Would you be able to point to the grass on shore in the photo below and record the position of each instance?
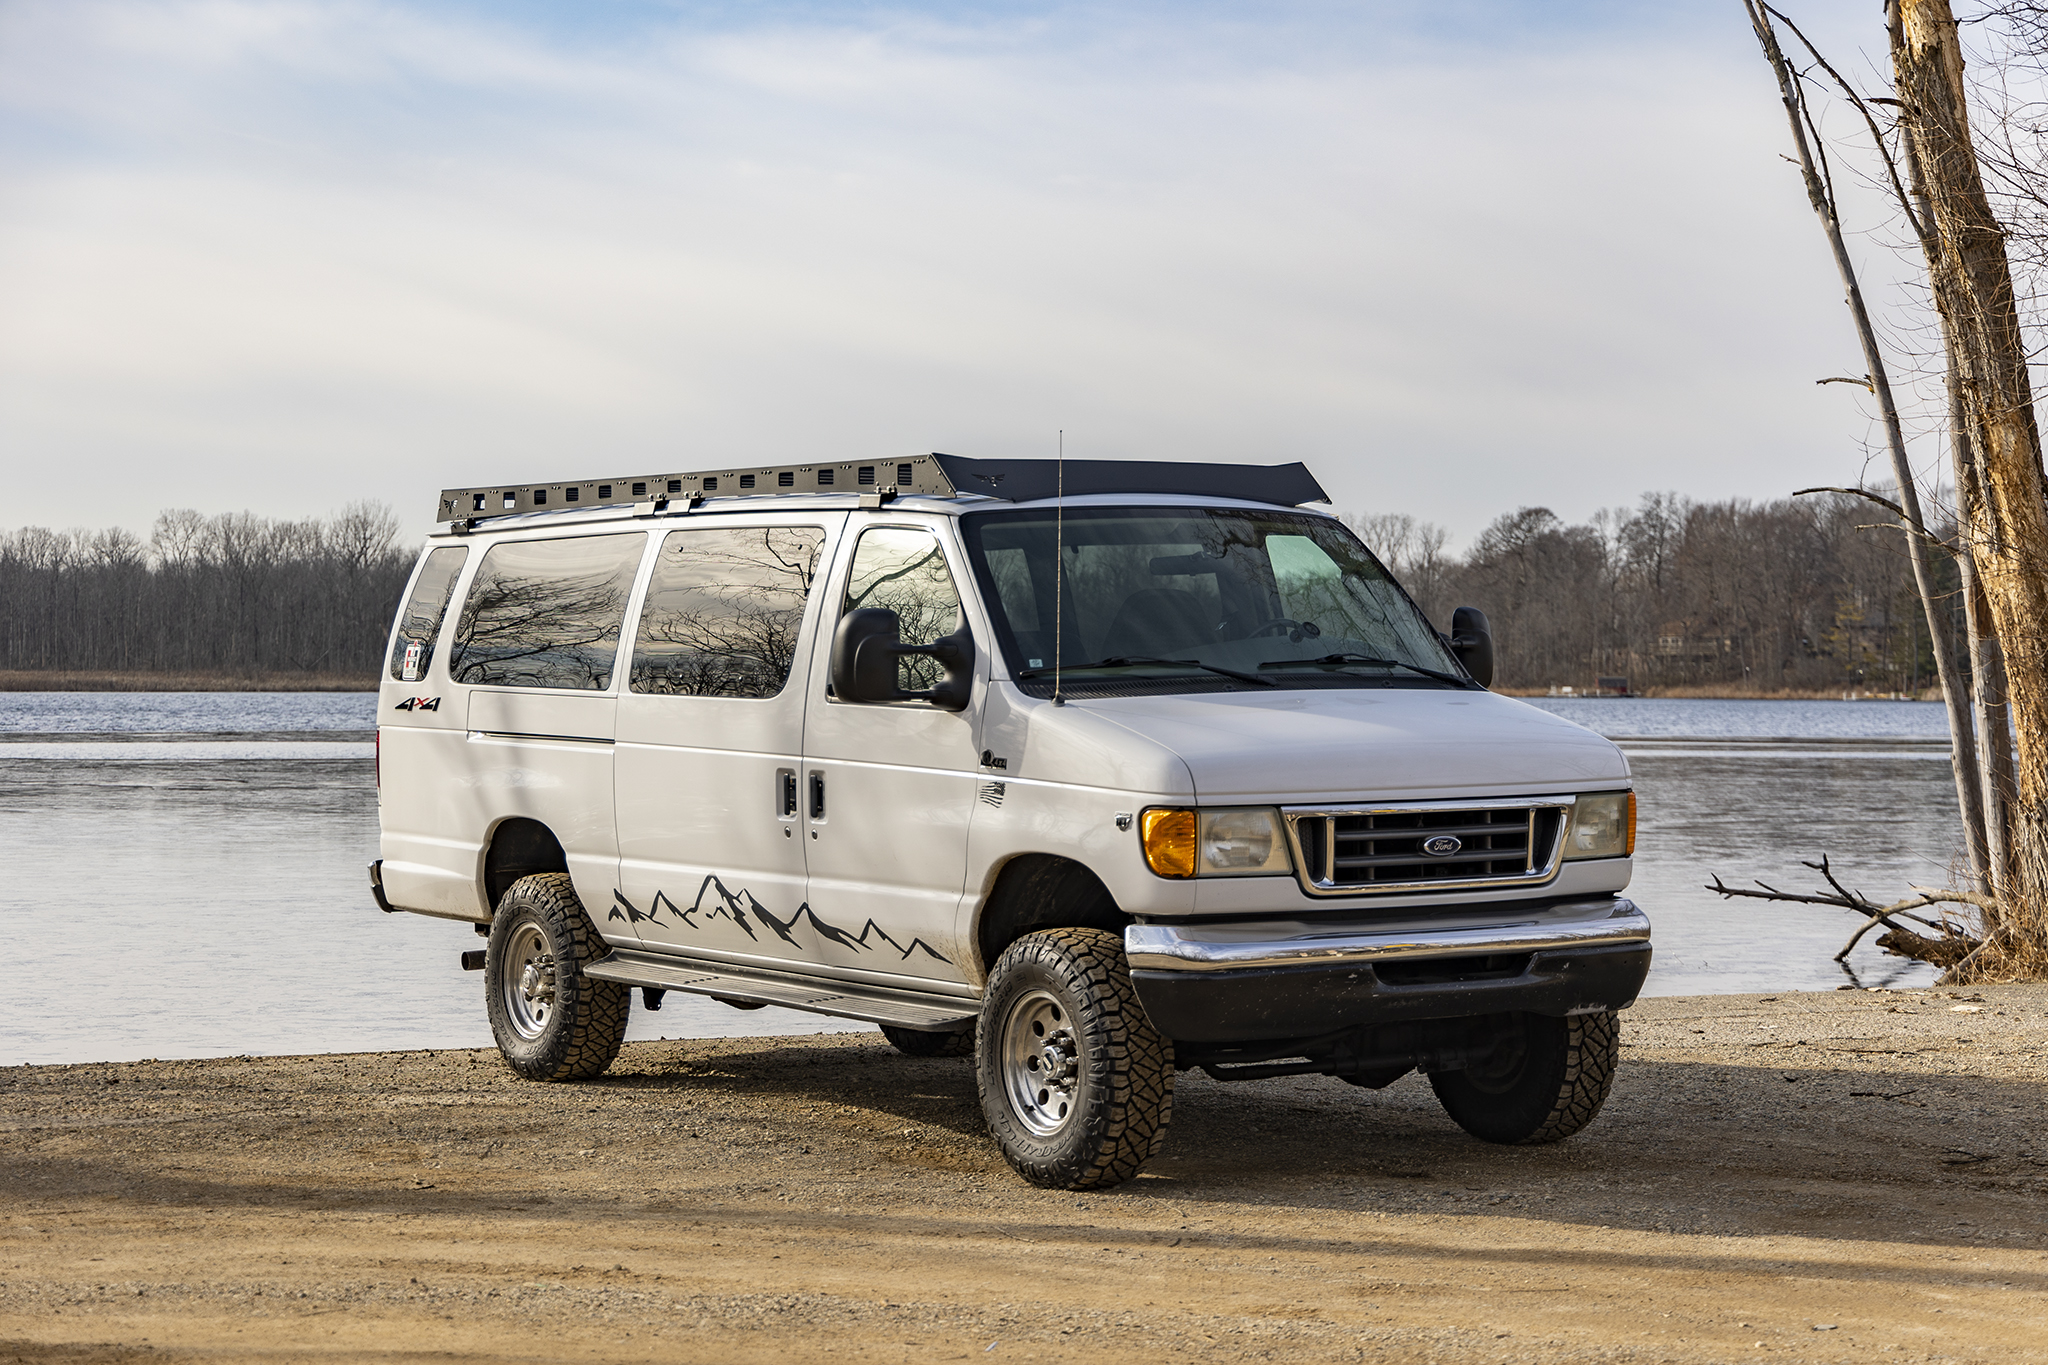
(109, 680)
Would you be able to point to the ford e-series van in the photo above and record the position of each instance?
(1093, 771)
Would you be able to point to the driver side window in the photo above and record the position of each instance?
(902, 569)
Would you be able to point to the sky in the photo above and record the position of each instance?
(1462, 257)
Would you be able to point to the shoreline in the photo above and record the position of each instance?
(55, 680)
(1808, 1176)
(1690, 693)
(107, 680)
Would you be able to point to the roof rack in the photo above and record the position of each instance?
(934, 475)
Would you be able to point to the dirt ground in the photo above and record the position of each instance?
(1828, 1177)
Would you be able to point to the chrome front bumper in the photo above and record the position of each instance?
(1470, 931)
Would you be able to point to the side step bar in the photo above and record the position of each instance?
(844, 999)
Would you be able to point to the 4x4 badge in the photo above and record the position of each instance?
(1443, 846)
(419, 704)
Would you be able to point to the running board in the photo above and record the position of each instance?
(844, 999)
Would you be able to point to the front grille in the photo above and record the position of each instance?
(1362, 851)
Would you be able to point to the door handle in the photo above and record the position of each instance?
(785, 793)
(817, 796)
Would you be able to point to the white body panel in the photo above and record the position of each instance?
(547, 756)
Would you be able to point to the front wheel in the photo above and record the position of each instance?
(552, 1022)
(1545, 1081)
(1075, 1082)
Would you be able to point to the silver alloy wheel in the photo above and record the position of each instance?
(1041, 1061)
(528, 981)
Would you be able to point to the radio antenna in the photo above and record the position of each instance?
(1059, 562)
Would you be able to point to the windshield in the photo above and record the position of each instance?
(1147, 593)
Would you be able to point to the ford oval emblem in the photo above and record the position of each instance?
(1443, 846)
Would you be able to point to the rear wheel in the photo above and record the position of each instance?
(1546, 1080)
(914, 1042)
(552, 1022)
(1075, 1082)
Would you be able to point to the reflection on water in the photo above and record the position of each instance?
(1883, 822)
(111, 713)
(207, 896)
(1751, 789)
(1659, 718)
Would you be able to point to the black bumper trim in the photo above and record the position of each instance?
(1307, 1002)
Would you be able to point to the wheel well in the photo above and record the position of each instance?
(1042, 891)
(519, 848)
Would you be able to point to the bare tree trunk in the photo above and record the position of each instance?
(1994, 744)
(1962, 749)
(1987, 664)
(2007, 534)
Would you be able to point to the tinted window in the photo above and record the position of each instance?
(723, 611)
(904, 571)
(1139, 594)
(419, 625)
(547, 613)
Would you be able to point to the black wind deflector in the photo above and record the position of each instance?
(1288, 485)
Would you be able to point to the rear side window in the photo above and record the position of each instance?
(723, 611)
(547, 613)
(419, 626)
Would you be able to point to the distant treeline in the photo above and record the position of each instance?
(1810, 593)
(1801, 593)
(235, 595)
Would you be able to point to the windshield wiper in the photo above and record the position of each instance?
(1139, 661)
(1334, 659)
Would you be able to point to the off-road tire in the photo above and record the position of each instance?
(1542, 1090)
(1121, 1096)
(915, 1042)
(585, 1023)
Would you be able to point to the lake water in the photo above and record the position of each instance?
(185, 871)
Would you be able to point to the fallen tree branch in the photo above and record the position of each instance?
(1948, 946)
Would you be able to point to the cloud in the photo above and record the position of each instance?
(285, 255)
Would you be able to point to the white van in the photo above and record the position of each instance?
(1094, 771)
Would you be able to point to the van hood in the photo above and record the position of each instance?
(1367, 744)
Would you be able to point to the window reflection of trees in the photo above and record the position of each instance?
(723, 612)
(904, 571)
(421, 623)
(1324, 580)
(546, 613)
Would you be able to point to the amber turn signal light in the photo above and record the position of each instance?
(1168, 838)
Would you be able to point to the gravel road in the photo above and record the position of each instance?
(1829, 1177)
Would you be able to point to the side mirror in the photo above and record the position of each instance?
(866, 646)
(1472, 642)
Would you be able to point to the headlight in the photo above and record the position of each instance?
(1603, 826)
(1215, 843)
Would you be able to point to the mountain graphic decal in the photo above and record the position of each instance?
(727, 906)
(716, 901)
(652, 914)
(859, 942)
(781, 926)
(634, 914)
